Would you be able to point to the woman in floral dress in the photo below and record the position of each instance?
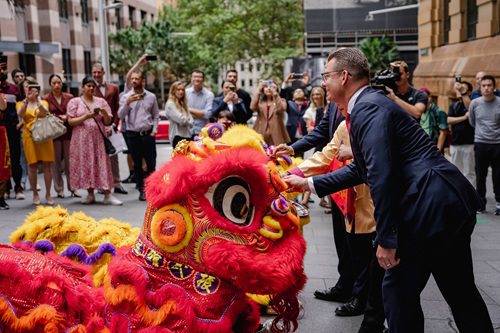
(90, 167)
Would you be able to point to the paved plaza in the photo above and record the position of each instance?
(320, 262)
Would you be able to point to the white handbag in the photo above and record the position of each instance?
(118, 142)
(47, 128)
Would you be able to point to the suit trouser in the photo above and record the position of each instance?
(361, 251)
(142, 147)
(487, 155)
(346, 280)
(374, 315)
(61, 151)
(448, 258)
(14, 137)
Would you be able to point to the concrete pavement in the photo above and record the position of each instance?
(320, 262)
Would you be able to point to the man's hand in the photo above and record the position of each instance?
(296, 183)
(134, 97)
(153, 134)
(344, 153)
(390, 93)
(387, 257)
(283, 149)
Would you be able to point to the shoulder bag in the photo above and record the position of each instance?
(47, 128)
(108, 146)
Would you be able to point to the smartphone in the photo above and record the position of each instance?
(233, 88)
(268, 82)
(97, 110)
(151, 57)
(297, 76)
(34, 86)
(458, 79)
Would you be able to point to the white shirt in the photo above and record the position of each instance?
(350, 106)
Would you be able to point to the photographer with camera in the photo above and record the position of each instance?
(230, 101)
(294, 81)
(399, 90)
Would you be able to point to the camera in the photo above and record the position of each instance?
(458, 79)
(386, 78)
(268, 82)
(232, 88)
(151, 57)
(297, 76)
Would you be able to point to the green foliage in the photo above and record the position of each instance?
(222, 33)
(379, 52)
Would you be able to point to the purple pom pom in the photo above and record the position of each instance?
(44, 246)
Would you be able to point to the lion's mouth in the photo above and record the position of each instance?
(271, 228)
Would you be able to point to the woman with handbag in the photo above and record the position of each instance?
(30, 109)
(58, 101)
(90, 167)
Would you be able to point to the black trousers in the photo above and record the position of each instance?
(448, 258)
(487, 155)
(142, 147)
(374, 315)
(361, 252)
(346, 279)
(14, 137)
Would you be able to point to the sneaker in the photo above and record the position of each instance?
(497, 208)
(111, 200)
(3, 204)
(88, 200)
(6, 195)
(20, 195)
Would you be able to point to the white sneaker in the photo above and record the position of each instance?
(111, 200)
(20, 195)
(88, 200)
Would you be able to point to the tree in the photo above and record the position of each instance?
(379, 52)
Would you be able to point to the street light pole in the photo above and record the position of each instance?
(103, 30)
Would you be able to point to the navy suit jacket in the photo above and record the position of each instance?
(322, 133)
(417, 193)
(240, 112)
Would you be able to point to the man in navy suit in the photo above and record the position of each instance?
(424, 207)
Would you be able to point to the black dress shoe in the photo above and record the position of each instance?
(129, 180)
(364, 329)
(119, 189)
(142, 196)
(352, 308)
(333, 294)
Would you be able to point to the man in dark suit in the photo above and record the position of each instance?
(321, 135)
(111, 94)
(424, 206)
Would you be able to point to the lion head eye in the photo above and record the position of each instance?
(231, 199)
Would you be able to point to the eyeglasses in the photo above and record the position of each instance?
(325, 75)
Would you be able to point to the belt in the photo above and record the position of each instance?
(141, 133)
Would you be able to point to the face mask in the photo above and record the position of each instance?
(3, 77)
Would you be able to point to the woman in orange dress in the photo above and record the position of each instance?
(29, 109)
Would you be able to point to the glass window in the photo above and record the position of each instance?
(63, 9)
(242, 83)
(250, 82)
(85, 11)
(471, 19)
(131, 14)
(242, 67)
(144, 18)
(66, 61)
(446, 21)
(88, 62)
(118, 14)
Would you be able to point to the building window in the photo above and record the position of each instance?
(118, 14)
(446, 21)
(66, 62)
(250, 83)
(88, 62)
(85, 11)
(471, 19)
(258, 66)
(131, 15)
(63, 9)
(242, 67)
(27, 63)
(144, 17)
(242, 83)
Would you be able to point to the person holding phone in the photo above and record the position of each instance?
(270, 110)
(230, 101)
(29, 109)
(90, 166)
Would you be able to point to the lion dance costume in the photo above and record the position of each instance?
(216, 228)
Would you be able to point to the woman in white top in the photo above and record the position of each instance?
(177, 112)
